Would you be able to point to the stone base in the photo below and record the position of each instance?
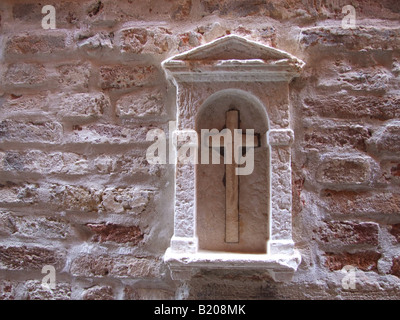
(183, 266)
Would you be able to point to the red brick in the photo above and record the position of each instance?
(115, 233)
(99, 293)
(357, 39)
(395, 270)
(395, 231)
(7, 290)
(119, 267)
(181, 9)
(344, 233)
(366, 260)
(353, 107)
(33, 290)
(125, 77)
(47, 43)
(25, 75)
(141, 40)
(74, 76)
(83, 105)
(361, 203)
(344, 171)
(386, 140)
(27, 132)
(340, 136)
(29, 258)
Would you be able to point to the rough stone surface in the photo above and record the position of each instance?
(25, 74)
(119, 267)
(145, 40)
(343, 171)
(33, 290)
(98, 293)
(346, 233)
(83, 105)
(77, 102)
(115, 233)
(141, 104)
(366, 261)
(28, 132)
(386, 140)
(33, 44)
(29, 258)
(34, 227)
(125, 77)
(361, 203)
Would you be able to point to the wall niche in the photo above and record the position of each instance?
(223, 219)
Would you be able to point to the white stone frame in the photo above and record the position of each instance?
(232, 62)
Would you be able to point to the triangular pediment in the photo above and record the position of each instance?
(233, 47)
(233, 58)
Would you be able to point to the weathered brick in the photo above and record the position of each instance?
(390, 172)
(34, 227)
(46, 43)
(395, 231)
(366, 260)
(345, 106)
(7, 290)
(345, 76)
(147, 40)
(22, 105)
(44, 163)
(241, 8)
(109, 232)
(181, 9)
(30, 258)
(33, 290)
(67, 13)
(344, 171)
(125, 77)
(361, 203)
(127, 163)
(341, 136)
(188, 40)
(15, 194)
(74, 76)
(344, 233)
(83, 105)
(126, 200)
(118, 267)
(386, 140)
(95, 44)
(99, 293)
(25, 10)
(141, 104)
(75, 198)
(395, 269)
(35, 131)
(373, 38)
(131, 293)
(25, 74)
(112, 134)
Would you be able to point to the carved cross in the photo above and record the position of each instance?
(231, 178)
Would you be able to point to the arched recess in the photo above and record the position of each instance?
(254, 188)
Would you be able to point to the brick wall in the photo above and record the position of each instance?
(77, 193)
